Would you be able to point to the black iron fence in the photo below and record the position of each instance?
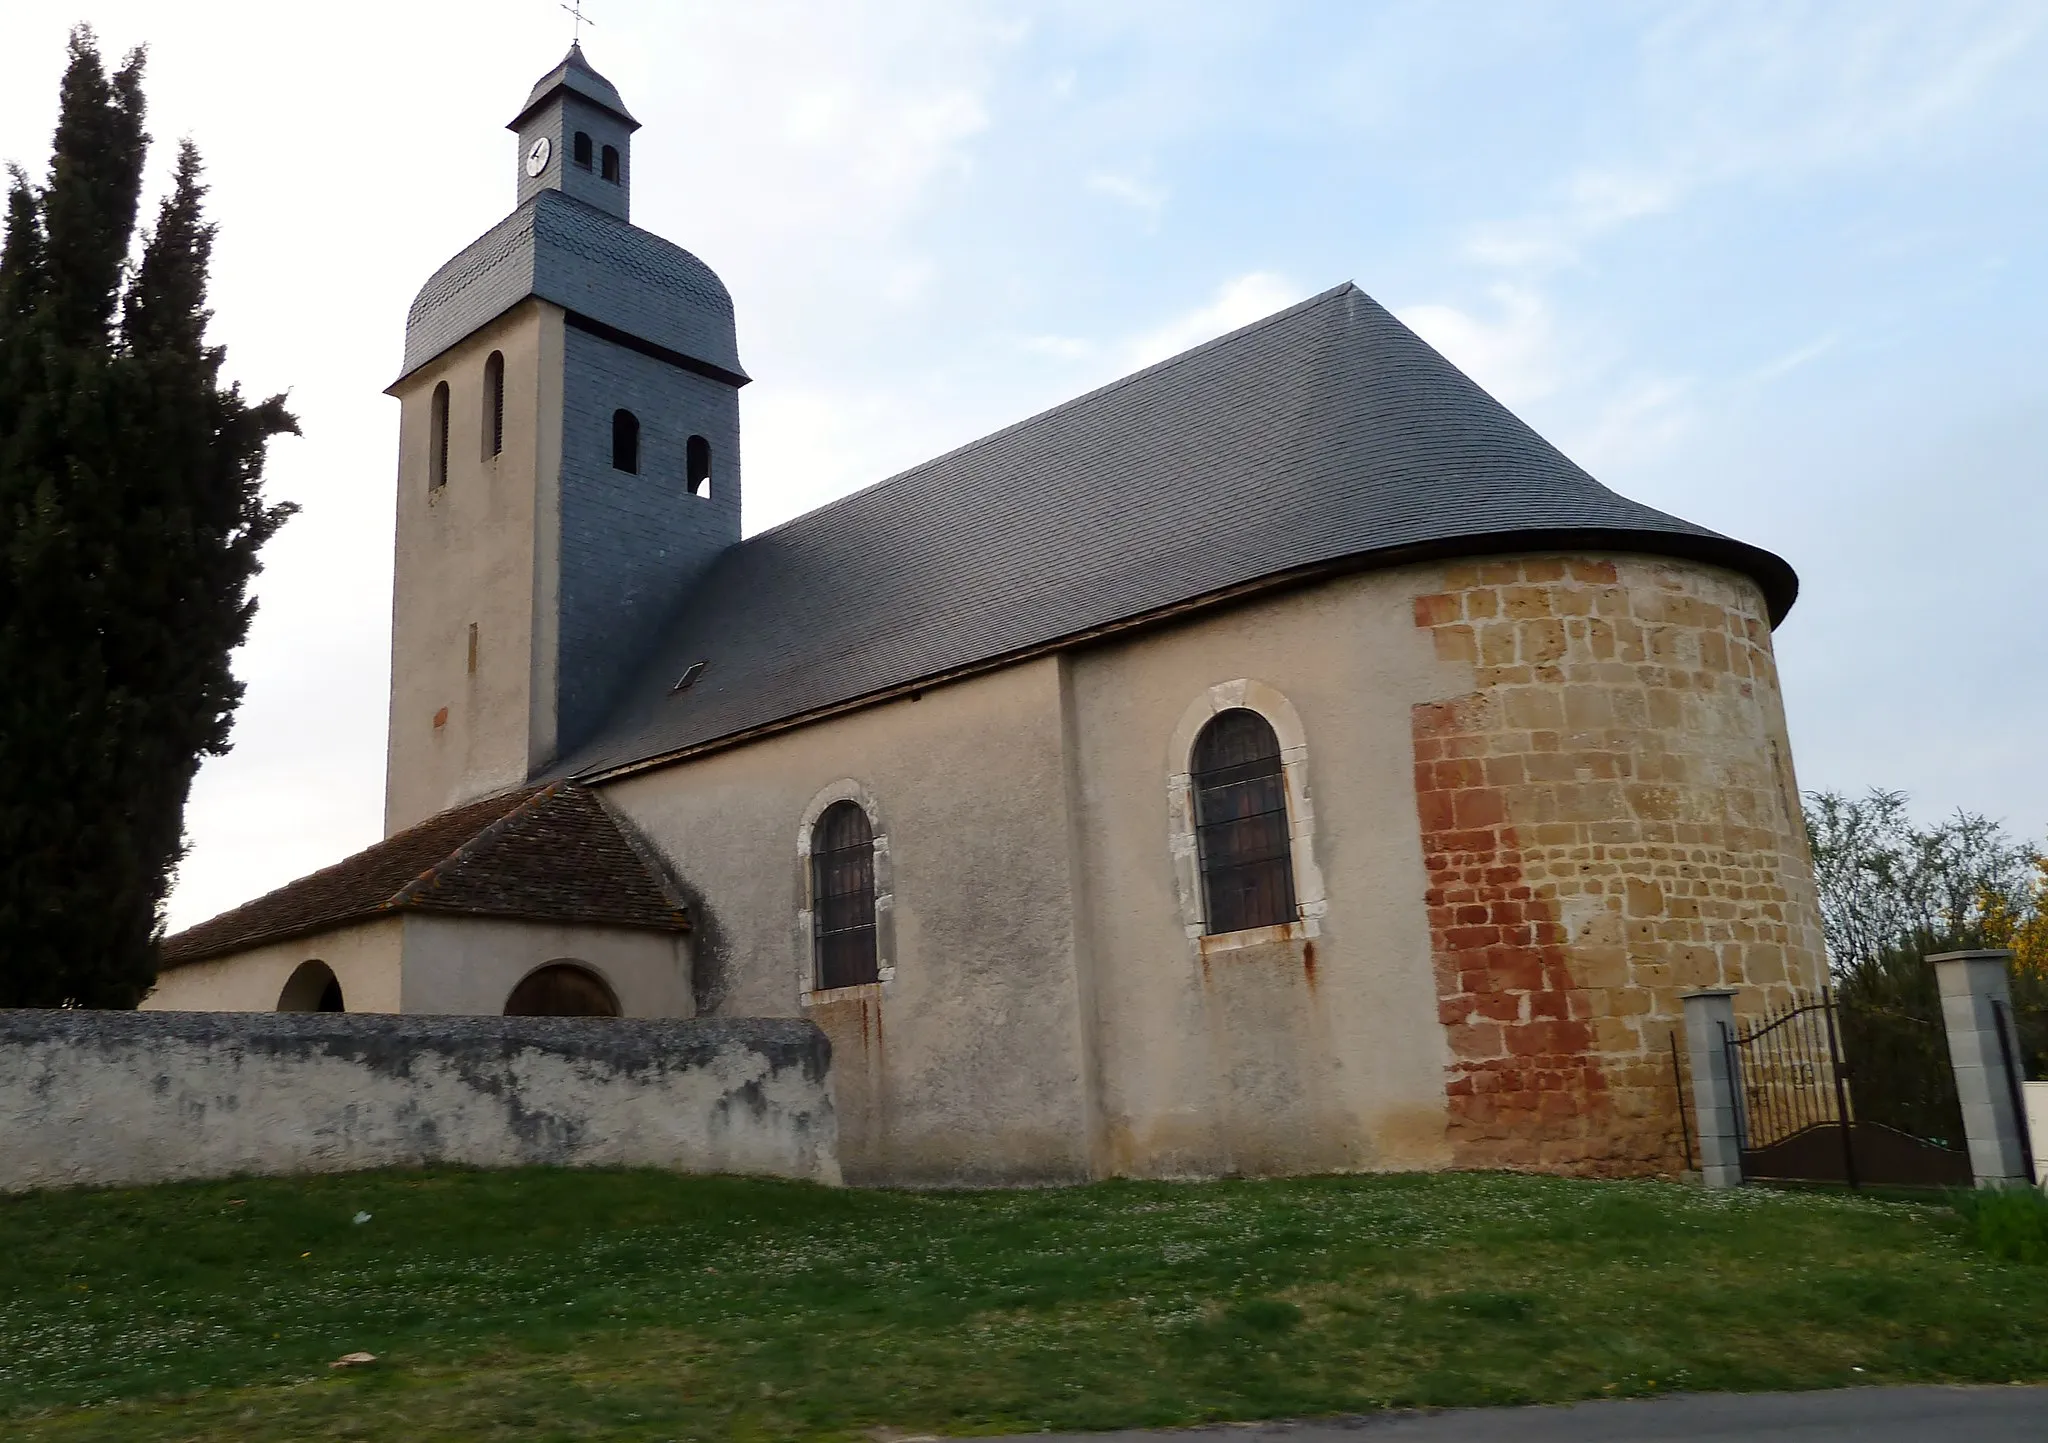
(1827, 1092)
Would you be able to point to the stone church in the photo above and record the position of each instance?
(1279, 760)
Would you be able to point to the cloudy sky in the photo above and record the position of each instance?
(1781, 268)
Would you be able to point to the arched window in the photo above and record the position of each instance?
(1241, 829)
(437, 440)
(312, 988)
(582, 150)
(843, 897)
(610, 169)
(494, 404)
(562, 989)
(625, 441)
(697, 465)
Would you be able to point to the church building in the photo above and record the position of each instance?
(1279, 760)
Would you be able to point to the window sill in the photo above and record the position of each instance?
(1220, 944)
(858, 992)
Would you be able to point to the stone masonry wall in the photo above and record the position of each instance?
(1609, 820)
(114, 1098)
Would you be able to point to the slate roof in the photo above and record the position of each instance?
(1327, 434)
(575, 75)
(545, 854)
(591, 264)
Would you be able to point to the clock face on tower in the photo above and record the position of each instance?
(537, 157)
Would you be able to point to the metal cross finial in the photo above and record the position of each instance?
(576, 9)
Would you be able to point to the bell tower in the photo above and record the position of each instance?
(569, 462)
(576, 137)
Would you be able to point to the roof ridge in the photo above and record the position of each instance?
(649, 856)
(334, 866)
(410, 892)
(1130, 378)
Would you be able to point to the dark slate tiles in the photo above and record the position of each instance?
(1328, 432)
(601, 267)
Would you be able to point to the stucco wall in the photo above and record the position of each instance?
(469, 965)
(424, 962)
(365, 959)
(1535, 799)
(966, 1065)
(480, 550)
(1544, 797)
(1307, 1050)
(124, 1098)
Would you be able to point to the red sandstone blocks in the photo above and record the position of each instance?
(1480, 807)
(1476, 1040)
(1538, 819)
(1437, 610)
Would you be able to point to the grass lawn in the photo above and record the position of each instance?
(559, 1305)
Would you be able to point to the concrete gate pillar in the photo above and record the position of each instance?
(1971, 983)
(1709, 1023)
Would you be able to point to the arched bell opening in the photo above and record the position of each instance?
(562, 989)
(313, 987)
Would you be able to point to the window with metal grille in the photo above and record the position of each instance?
(843, 897)
(1241, 824)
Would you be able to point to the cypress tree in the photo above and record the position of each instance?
(131, 518)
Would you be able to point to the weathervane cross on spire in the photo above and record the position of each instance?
(576, 9)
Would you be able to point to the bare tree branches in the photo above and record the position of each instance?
(1883, 879)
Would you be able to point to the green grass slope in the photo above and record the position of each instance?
(560, 1305)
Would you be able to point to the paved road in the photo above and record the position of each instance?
(1847, 1415)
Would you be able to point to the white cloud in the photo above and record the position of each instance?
(828, 160)
(1058, 348)
(1591, 205)
(1150, 199)
(1640, 422)
(1238, 302)
(1736, 94)
(1793, 359)
(796, 147)
(1604, 418)
(1781, 90)
(1514, 353)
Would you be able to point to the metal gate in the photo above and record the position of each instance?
(1850, 1094)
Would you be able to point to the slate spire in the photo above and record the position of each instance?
(575, 136)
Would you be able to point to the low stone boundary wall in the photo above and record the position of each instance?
(140, 1097)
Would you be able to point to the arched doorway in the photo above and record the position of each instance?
(313, 988)
(562, 989)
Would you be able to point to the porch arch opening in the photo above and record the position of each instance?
(312, 987)
(562, 989)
